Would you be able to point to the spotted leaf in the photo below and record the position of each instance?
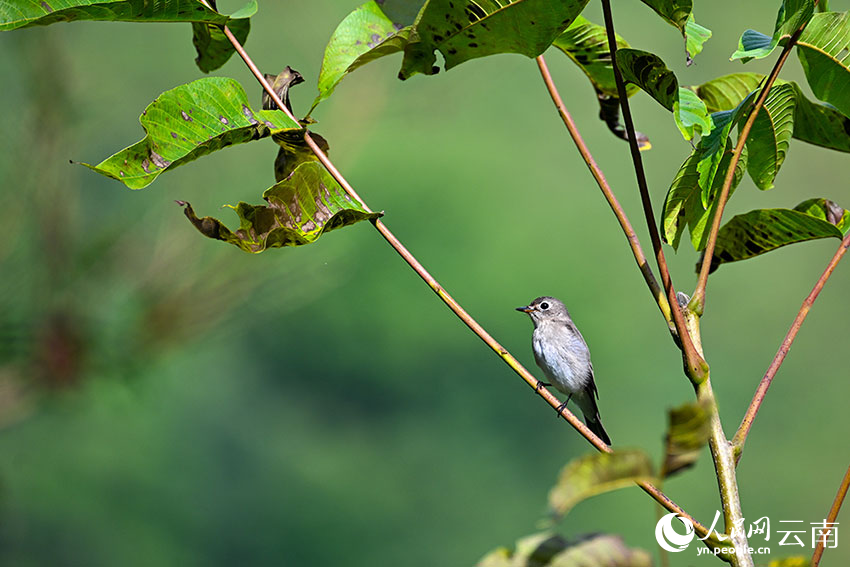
(466, 29)
(186, 123)
(213, 48)
(300, 209)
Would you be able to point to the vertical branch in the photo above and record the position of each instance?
(753, 409)
(695, 365)
(831, 517)
(631, 236)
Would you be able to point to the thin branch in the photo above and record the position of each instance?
(744, 429)
(634, 243)
(698, 299)
(476, 328)
(697, 369)
(831, 517)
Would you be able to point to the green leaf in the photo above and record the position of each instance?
(770, 135)
(300, 209)
(678, 13)
(797, 560)
(586, 44)
(552, 550)
(186, 123)
(792, 15)
(594, 474)
(213, 48)
(648, 71)
(365, 35)
(687, 433)
(823, 50)
(813, 123)
(684, 206)
(757, 232)
(462, 30)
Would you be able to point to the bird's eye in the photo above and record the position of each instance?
(544, 306)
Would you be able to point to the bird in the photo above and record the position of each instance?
(562, 354)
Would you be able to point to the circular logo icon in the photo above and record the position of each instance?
(670, 539)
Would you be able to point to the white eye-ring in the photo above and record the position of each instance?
(544, 306)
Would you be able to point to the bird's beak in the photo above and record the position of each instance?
(526, 309)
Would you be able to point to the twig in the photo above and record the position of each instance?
(753, 409)
(698, 299)
(476, 328)
(831, 517)
(634, 243)
(697, 369)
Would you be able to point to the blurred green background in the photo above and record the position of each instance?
(166, 399)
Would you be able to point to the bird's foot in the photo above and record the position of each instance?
(541, 385)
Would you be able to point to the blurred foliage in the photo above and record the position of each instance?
(166, 400)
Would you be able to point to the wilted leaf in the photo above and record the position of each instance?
(792, 15)
(462, 30)
(648, 71)
(552, 550)
(212, 46)
(365, 35)
(280, 84)
(823, 49)
(300, 209)
(186, 123)
(687, 433)
(294, 151)
(678, 13)
(757, 232)
(594, 474)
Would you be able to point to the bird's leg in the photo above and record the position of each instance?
(560, 409)
(541, 384)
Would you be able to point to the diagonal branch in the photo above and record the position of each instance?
(744, 429)
(698, 300)
(830, 518)
(634, 243)
(476, 328)
(696, 367)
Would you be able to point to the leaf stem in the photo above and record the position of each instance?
(753, 409)
(476, 328)
(695, 366)
(698, 299)
(831, 517)
(622, 218)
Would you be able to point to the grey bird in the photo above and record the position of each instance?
(563, 356)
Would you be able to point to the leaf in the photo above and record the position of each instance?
(813, 123)
(280, 84)
(594, 474)
(757, 232)
(678, 13)
(212, 46)
(684, 205)
(793, 14)
(770, 135)
(186, 123)
(687, 433)
(552, 550)
(462, 30)
(648, 71)
(365, 35)
(794, 561)
(823, 49)
(586, 44)
(300, 209)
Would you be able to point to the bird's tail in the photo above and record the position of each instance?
(595, 425)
